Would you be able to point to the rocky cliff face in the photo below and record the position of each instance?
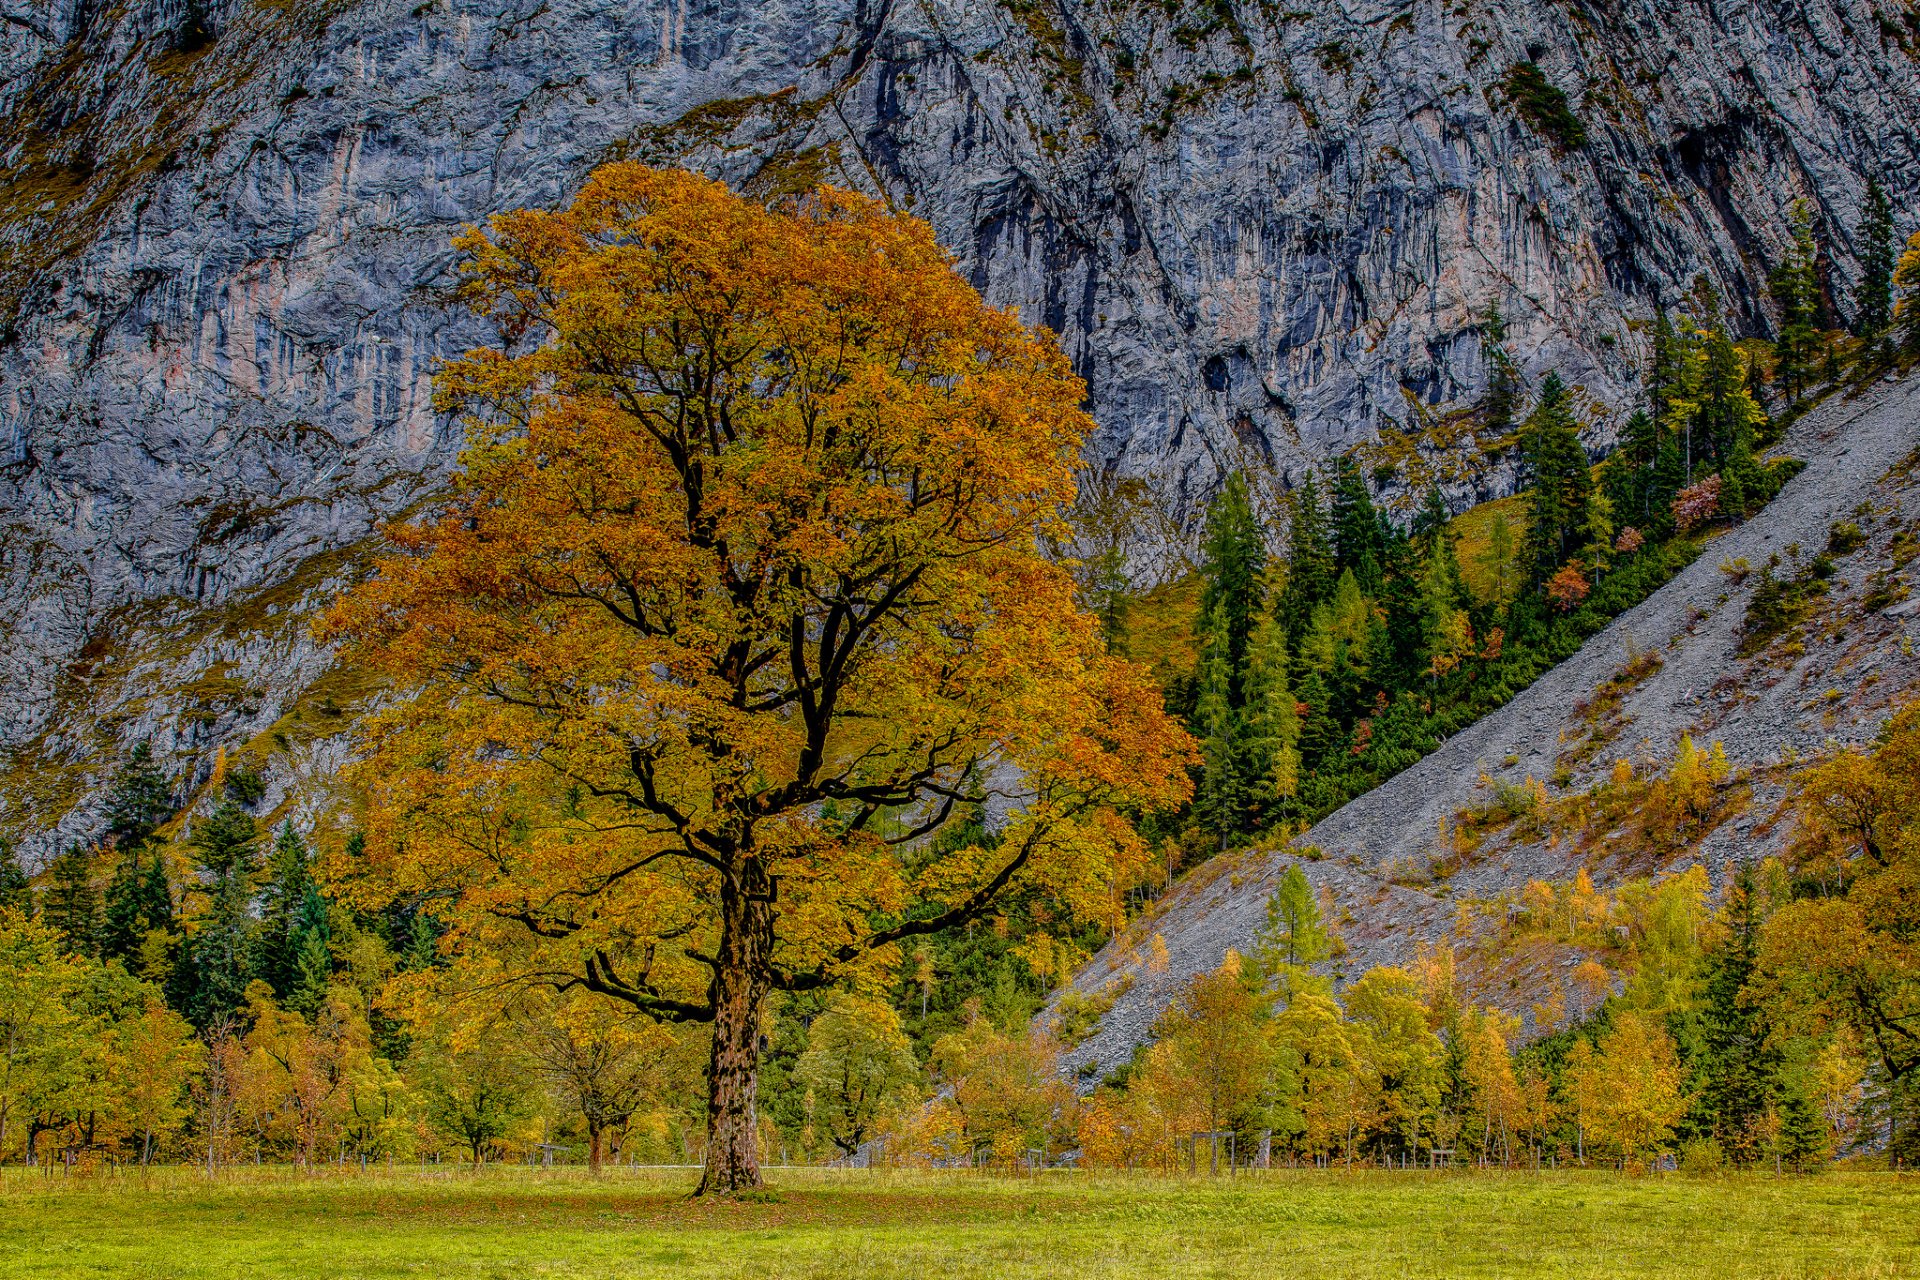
(1264, 234)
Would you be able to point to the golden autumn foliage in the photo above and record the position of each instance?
(1846, 952)
(1627, 1097)
(737, 595)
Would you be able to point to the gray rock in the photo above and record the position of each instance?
(1262, 236)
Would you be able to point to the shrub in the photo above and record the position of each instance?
(1543, 106)
(1701, 1156)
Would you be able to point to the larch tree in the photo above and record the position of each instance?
(736, 599)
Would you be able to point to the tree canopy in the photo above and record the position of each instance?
(736, 597)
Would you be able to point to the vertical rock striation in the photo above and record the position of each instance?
(1263, 233)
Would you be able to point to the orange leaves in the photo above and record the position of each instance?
(740, 575)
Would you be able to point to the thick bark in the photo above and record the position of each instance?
(741, 981)
(594, 1133)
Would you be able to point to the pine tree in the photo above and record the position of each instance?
(1666, 373)
(1233, 567)
(288, 880)
(139, 800)
(1503, 380)
(1310, 567)
(1558, 481)
(122, 932)
(1358, 545)
(156, 896)
(1802, 1136)
(1498, 559)
(1740, 1069)
(16, 894)
(312, 960)
(1873, 306)
(217, 971)
(1431, 520)
(1728, 413)
(1796, 292)
(72, 904)
(1320, 733)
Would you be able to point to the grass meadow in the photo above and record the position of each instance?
(821, 1223)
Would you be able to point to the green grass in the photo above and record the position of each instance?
(855, 1224)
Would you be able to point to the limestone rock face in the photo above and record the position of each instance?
(1265, 235)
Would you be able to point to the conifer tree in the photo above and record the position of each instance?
(72, 904)
(1796, 292)
(1221, 800)
(312, 955)
(1503, 380)
(1728, 413)
(281, 902)
(156, 896)
(1233, 564)
(1666, 372)
(1358, 545)
(1293, 936)
(1272, 724)
(140, 799)
(1310, 566)
(217, 969)
(121, 933)
(1873, 306)
(16, 893)
(1498, 558)
(1558, 481)
(1739, 1068)
(1431, 520)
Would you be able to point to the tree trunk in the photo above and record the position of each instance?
(740, 986)
(593, 1150)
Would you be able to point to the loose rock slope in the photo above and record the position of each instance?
(1376, 857)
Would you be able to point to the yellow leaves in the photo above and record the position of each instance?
(740, 572)
(1627, 1097)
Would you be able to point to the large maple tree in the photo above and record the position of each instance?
(736, 602)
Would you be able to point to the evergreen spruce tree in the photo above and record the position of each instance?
(1358, 544)
(1728, 414)
(1740, 1069)
(1320, 733)
(289, 877)
(1233, 567)
(312, 961)
(156, 896)
(1802, 1136)
(1630, 471)
(1431, 520)
(1310, 565)
(139, 800)
(1873, 305)
(72, 903)
(217, 969)
(1666, 372)
(16, 893)
(1503, 380)
(122, 931)
(1554, 466)
(1796, 292)
(1497, 561)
